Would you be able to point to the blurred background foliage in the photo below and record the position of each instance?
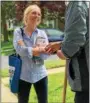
(12, 14)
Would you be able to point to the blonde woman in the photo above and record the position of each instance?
(30, 47)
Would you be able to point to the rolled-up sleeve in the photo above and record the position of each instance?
(75, 30)
(21, 50)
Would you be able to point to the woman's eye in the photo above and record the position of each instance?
(39, 14)
(35, 13)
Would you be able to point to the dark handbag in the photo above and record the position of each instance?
(15, 64)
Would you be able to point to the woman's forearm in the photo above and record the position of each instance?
(35, 50)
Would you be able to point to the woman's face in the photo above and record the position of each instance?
(34, 16)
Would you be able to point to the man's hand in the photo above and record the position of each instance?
(61, 55)
(53, 47)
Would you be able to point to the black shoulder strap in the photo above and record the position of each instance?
(22, 31)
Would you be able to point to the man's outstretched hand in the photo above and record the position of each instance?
(53, 47)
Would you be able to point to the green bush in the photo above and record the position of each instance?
(43, 26)
(10, 31)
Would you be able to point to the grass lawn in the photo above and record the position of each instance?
(54, 63)
(55, 90)
(6, 48)
(4, 73)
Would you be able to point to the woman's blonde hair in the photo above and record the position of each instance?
(27, 11)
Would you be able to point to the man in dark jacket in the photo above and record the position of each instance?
(75, 49)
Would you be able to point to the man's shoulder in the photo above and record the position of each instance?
(80, 4)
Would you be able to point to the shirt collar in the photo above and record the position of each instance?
(34, 32)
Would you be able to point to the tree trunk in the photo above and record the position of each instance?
(4, 27)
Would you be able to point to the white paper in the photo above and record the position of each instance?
(40, 41)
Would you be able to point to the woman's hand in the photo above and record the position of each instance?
(36, 51)
(21, 43)
(42, 50)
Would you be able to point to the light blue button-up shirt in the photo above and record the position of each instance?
(31, 71)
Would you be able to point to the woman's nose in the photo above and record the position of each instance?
(38, 15)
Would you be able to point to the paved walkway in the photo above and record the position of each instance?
(56, 70)
(8, 97)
